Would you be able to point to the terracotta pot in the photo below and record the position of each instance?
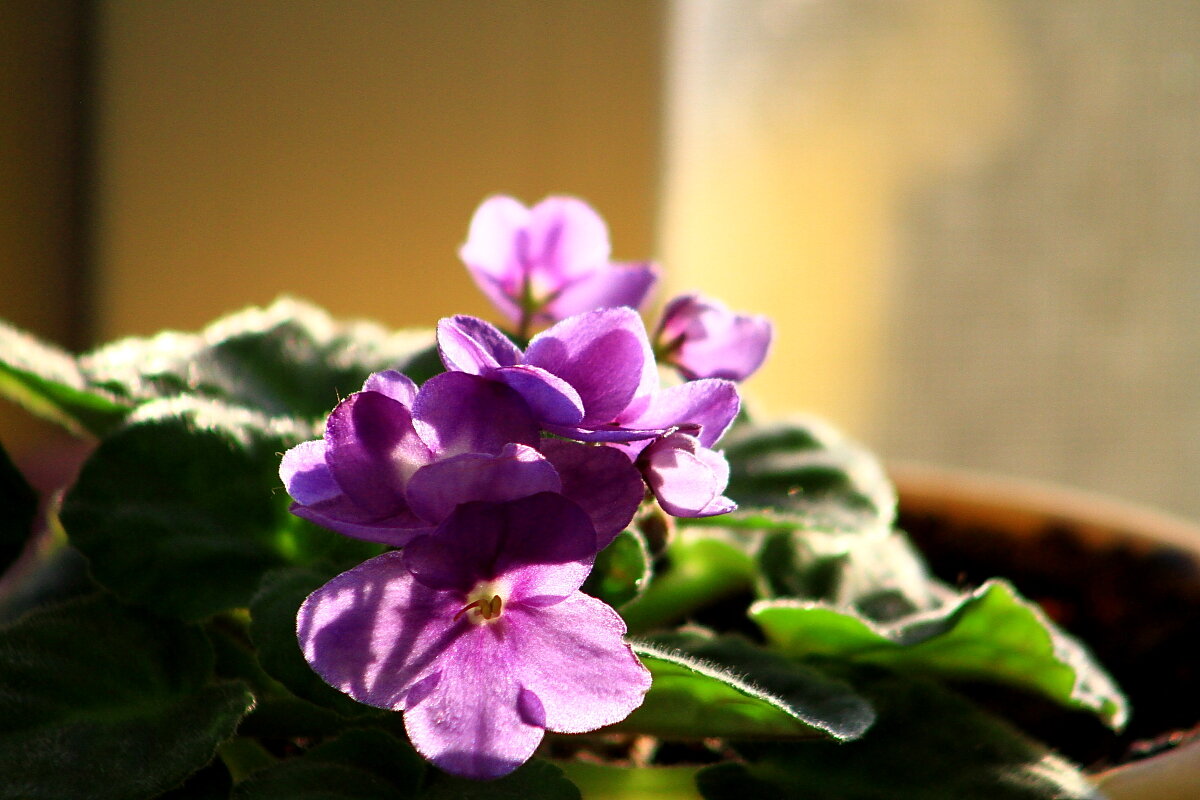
(1124, 579)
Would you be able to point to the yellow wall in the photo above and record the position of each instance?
(335, 151)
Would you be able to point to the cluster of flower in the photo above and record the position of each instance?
(501, 479)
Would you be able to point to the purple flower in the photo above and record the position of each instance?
(704, 339)
(548, 262)
(480, 635)
(396, 461)
(687, 479)
(591, 377)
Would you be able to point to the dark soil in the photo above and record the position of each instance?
(1137, 609)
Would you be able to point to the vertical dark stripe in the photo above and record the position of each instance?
(80, 294)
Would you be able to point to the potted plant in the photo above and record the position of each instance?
(316, 558)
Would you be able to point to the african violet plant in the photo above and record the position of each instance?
(498, 566)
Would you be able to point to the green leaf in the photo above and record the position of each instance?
(289, 359)
(182, 509)
(534, 780)
(358, 764)
(102, 701)
(928, 744)
(991, 634)
(46, 381)
(609, 781)
(19, 501)
(622, 570)
(702, 566)
(273, 630)
(881, 576)
(699, 691)
(804, 475)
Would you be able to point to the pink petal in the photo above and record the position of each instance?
(567, 238)
(613, 285)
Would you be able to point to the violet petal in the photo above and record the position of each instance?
(460, 413)
(543, 545)
(372, 449)
(572, 656)
(471, 345)
(305, 474)
(552, 400)
(470, 721)
(518, 471)
(395, 385)
(601, 480)
(711, 404)
(373, 631)
(603, 354)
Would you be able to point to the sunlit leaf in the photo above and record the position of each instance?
(726, 687)
(990, 634)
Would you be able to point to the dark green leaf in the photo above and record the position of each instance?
(804, 475)
(182, 509)
(621, 571)
(991, 634)
(101, 701)
(928, 744)
(19, 501)
(358, 764)
(727, 687)
(211, 783)
(46, 380)
(288, 359)
(534, 780)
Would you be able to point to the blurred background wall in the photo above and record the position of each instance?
(974, 221)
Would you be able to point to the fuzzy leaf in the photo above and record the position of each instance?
(881, 576)
(991, 634)
(105, 702)
(46, 381)
(928, 744)
(182, 508)
(804, 475)
(290, 358)
(698, 692)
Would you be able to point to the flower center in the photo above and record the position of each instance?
(484, 606)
